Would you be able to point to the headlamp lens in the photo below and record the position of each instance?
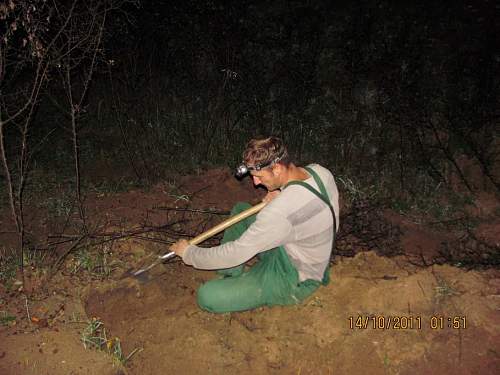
(241, 170)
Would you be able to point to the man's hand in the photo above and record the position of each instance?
(179, 247)
(271, 195)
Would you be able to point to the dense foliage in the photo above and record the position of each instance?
(373, 89)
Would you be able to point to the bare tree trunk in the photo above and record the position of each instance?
(12, 198)
(76, 107)
(76, 154)
(128, 150)
(401, 157)
(16, 198)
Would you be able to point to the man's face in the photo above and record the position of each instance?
(266, 177)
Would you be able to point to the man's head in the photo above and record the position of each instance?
(267, 159)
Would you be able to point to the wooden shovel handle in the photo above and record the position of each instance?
(227, 223)
(205, 235)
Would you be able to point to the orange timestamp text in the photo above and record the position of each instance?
(396, 322)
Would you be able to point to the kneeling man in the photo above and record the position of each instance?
(292, 236)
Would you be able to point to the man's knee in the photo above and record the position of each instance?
(225, 295)
(206, 297)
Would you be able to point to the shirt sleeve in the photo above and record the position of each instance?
(270, 229)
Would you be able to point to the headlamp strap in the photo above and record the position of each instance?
(258, 167)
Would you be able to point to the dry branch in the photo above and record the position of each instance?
(194, 210)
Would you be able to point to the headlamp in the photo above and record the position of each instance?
(243, 169)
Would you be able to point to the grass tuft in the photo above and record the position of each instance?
(6, 319)
(9, 264)
(97, 263)
(94, 336)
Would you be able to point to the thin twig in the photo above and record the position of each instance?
(58, 262)
(27, 308)
(152, 239)
(195, 210)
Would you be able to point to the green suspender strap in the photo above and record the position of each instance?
(324, 197)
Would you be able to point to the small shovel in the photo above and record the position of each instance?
(205, 235)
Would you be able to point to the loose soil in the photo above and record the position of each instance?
(379, 315)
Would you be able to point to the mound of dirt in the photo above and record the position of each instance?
(52, 352)
(378, 316)
(219, 188)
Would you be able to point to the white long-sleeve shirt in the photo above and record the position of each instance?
(296, 219)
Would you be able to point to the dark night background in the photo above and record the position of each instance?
(399, 99)
(121, 123)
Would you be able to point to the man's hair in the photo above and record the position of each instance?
(265, 151)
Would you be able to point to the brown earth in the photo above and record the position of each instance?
(378, 315)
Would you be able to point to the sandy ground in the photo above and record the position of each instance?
(378, 315)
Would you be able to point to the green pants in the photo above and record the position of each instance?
(273, 280)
